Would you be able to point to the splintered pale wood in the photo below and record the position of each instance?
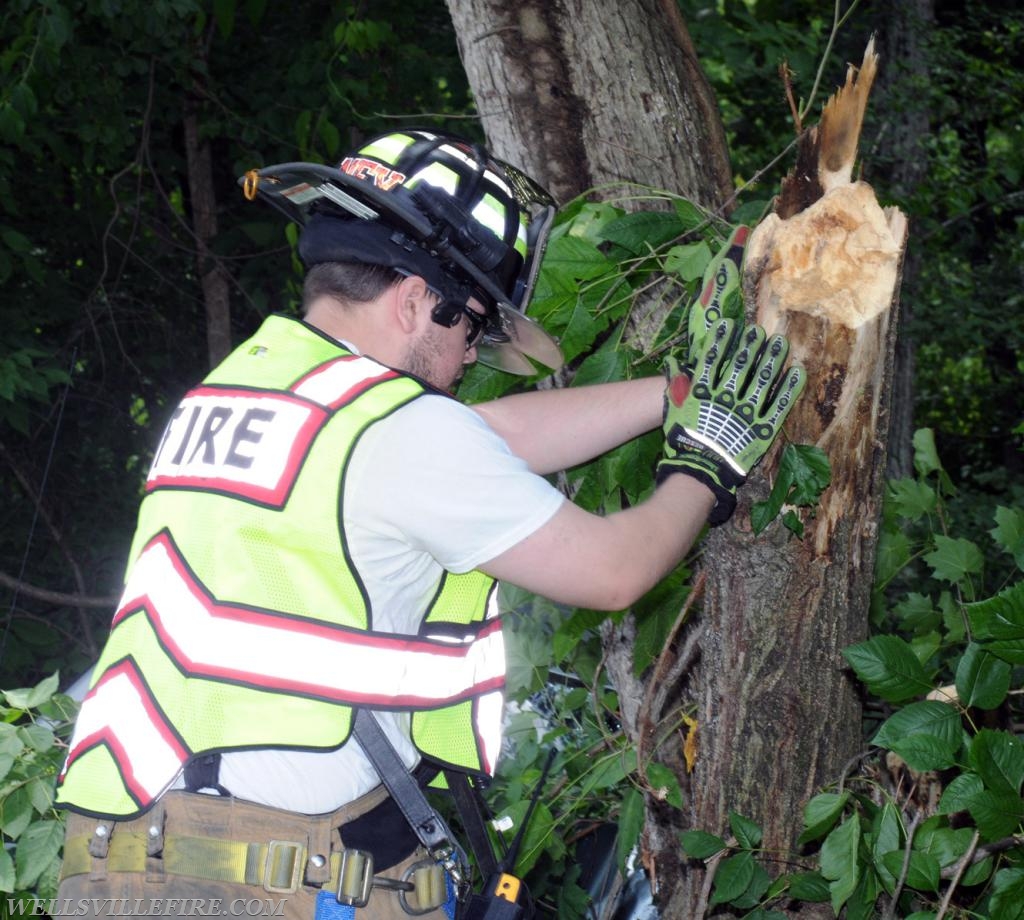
(827, 278)
(778, 712)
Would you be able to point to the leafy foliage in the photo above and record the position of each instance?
(104, 315)
(34, 725)
(936, 815)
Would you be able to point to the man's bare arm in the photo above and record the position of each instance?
(553, 430)
(607, 563)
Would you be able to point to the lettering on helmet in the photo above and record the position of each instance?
(384, 177)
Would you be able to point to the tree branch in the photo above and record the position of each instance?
(58, 538)
(57, 597)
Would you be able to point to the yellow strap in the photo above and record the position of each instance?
(200, 857)
(278, 866)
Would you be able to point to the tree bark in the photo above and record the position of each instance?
(903, 34)
(581, 93)
(213, 279)
(579, 96)
(778, 713)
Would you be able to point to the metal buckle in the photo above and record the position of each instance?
(355, 878)
(429, 884)
(277, 852)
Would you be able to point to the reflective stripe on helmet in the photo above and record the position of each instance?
(436, 174)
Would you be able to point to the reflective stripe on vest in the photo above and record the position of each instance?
(193, 667)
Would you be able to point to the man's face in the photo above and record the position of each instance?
(440, 354)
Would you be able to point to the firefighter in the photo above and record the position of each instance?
(321, 531)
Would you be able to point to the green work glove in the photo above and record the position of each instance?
(737, 403)
(720, 294)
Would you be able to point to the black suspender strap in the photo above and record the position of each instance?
(426, 823)
(471, 814)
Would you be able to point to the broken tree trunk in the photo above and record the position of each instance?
(778, 713)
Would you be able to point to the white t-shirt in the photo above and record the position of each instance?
(429, 488)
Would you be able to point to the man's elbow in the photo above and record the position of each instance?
(618, 592)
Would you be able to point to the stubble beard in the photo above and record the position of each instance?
(421, 360)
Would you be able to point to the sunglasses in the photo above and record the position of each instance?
(477, 324)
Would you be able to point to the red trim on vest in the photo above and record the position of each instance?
(338, 641)
(108, 736)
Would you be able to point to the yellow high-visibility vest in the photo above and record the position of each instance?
(243, 622)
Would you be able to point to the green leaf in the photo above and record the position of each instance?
(688, 261)
(821, 813)
(926, 455)
(839, 862)
(15, 812)
(38, 737)
(581, 330)
(922, 869)
(224, 12)
(892, 554)
(746, 832)
(37, 848)
(608, 771)
(982, 679)
(589, 221)
(997, 814)
(330, 135)
(911, 498)
(528, 654)
(700, 844)
(946, 844)
(607, 364)
(889, 668)
(539, 836)
(655, 613)
(887, 834)
(808, 886)
(570, 259)
(1001, 619)
(40, 794)
(979, 872)
(998, 758)
(924, 752)
(1007, 901)
(6, 871)
(917, 614)
(642, 231)
(759, 883)
(665, 784)
(960, 793)
(1009, 532)
(734, 874)
(631, 822)
(954, 558)
(804, 473)
(32, 697)
(930, 717)
(808, 469)
(690, 215)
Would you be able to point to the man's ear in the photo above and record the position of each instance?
(413, 303)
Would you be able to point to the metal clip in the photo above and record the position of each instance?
(430, 887)
(284, 862)
(355, 878)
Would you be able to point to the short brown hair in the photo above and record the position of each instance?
(347, 282)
